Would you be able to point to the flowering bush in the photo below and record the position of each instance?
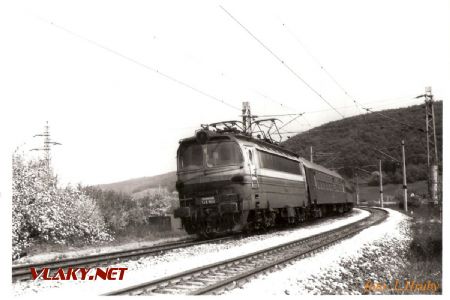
(42, 212)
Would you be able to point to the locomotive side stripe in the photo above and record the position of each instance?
(210, 173)
(200, 175)
(280, 175)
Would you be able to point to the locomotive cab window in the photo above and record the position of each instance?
(223, 153)
(191, 157)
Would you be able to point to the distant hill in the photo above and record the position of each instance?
(344, 144)
(351, 141)
(136, 185)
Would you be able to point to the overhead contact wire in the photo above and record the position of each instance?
(340, 86)
(281, 61)
(171, 78)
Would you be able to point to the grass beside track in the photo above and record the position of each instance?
(424, 260)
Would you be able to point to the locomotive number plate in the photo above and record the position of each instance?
(208, 200)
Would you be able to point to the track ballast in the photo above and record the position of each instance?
(217, 277)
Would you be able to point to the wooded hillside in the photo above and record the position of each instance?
(351, 142)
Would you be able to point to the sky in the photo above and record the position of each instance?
(121, 82)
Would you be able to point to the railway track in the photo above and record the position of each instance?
(225, 275)
(22, 272)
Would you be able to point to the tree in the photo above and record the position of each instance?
(416, 172)
(42, 212)
(375, 179)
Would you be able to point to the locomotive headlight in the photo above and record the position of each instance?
(202, 137)
(237, 178)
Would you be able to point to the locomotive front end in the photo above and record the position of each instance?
(210, 183)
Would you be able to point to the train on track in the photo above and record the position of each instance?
(230, 181)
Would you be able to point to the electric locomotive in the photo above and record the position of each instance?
(229, 181)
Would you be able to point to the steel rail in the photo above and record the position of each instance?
(22, 272)
(227, 274)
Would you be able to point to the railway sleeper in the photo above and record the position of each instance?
(316, 244)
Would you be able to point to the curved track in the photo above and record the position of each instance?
(225, 275)
(22, 272)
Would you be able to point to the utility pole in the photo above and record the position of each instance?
(357, 190)
(311, 153)
(47, 144)
(431, 141)
(432, 151)
(381, 185)
(405, 190)
(246, 117)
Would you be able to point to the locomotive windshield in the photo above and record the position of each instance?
(218, 153)
(191, 157)
(223, 154)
